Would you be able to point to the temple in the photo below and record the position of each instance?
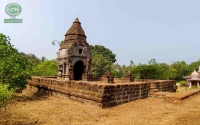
(74, 81)
(193, 79)
(74, 56)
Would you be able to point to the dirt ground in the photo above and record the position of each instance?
(55, 111)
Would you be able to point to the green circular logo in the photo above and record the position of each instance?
(13, 9)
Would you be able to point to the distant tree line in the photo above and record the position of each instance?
(153, 70)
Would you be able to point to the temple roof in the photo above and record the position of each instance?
(75, 29)
(194, 76)
(194, 73)
(74, 35)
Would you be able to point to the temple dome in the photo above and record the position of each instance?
(194, 75)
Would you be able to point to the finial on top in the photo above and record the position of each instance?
(77, 20)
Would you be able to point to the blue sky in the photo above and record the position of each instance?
(138, 30)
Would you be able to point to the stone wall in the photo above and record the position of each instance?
(163, 85)
(123, 80)
(145, 80)
(100, 94)
(103, 95)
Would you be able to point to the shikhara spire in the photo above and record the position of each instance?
(76, 29)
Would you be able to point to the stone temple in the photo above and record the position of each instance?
(76, 83)
(74, 56)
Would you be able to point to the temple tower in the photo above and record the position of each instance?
(74, 56)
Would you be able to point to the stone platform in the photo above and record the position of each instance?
(102, 95)
(174, 97)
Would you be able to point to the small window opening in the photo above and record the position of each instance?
(80, 51)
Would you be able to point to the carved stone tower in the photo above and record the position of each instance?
(74, 56)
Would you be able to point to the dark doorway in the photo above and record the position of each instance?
(78, 70)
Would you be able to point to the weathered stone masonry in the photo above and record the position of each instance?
(74, 59)
(103, 95)
(74, 56)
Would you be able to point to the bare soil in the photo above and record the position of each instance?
(55, 111)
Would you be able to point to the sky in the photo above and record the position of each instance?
(137, 30)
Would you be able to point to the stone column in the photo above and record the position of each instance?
(190, 84)
(66, 72)
(58, 74)
(64, 69)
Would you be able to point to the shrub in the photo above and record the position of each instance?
(5, 95)
(15, 68)
(182, 83)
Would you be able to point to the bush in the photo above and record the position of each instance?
(46, 68)
(5, 95)
(182, 83)
(15, 68)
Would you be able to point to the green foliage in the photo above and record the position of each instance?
(43, 58)
(193, 65)
(182, 82)
(105, 52)
(116, 70)
(121, 71)
(100, 65)
(172, 73)
(32, 58)
(154, 70)
(147, 71)
(116, 74)
(46, 68)
(5, 95)
(152, 62)
(102, 59)
(151, 71)
(15, 69)
(181, 69)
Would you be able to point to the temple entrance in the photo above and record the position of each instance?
(78, 70)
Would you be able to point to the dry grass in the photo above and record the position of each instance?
(55, 111)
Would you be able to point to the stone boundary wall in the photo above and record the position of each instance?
(163, 85)
(103, 95)
(146, 80)
(123, 80)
